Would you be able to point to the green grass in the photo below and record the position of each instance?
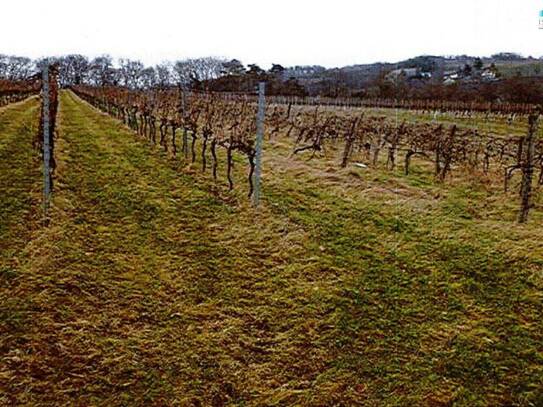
(155, 286)
(497, 125)
(19, 181)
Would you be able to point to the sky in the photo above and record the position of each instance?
(290, 32)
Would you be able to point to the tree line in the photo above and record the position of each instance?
(223, 75)
(207, 73)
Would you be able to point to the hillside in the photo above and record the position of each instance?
(360, 76)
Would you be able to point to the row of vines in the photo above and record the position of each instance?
(15, 91)
(446, 147)
(228, 122)
(163, 116)
(425, 105)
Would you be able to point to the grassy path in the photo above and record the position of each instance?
(20, 180)
(150, 288)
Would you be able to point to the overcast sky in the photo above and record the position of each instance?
(290, 32)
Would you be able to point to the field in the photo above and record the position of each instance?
(154, 285)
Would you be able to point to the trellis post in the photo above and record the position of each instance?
(259, 141)
(185, 115)
(46, 140)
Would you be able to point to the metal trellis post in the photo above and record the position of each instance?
(259, 140)
(46, 141)
(185, 135)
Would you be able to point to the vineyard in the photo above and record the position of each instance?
(15, 91)
(409, 104)
(395, 258)
(229, 123)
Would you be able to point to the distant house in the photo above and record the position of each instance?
(488, 74)
(451, 74)
(408, 73)
(450, 77)
(303, 71)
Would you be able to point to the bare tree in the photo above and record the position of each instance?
(101, 71)
(164, 74)
(73, 69)
(3, 66)
(182, 73)
(15, 68)
(197, 70)
(148, 78)
(130, 73)
(207, 68)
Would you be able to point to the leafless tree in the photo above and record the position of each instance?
(197, 70)
(15, 68)
(182, 73)
(73, 69)
(164, 74)
(148, 78)
(101, 71)
(130, 73)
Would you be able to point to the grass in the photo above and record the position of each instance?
(486, 124)
(19, 181)
(509, 70)
(154, 286)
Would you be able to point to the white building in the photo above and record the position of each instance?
(407, 73)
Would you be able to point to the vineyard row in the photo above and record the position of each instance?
(228, 122)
